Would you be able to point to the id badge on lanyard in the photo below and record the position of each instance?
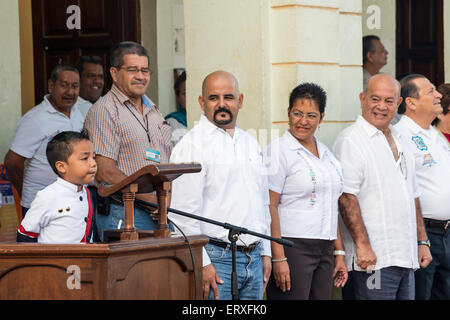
(153, 155)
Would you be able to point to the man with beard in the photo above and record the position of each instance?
(231, 187)
(128, 132)
(55, 114)
(91, 82)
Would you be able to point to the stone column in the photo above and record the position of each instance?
(272, 46)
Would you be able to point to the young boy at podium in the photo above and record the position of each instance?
(62, 212)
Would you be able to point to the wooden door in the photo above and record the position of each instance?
(420, 40)
(104, 23)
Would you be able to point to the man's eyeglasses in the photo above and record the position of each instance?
(136, 70)
(309, 116)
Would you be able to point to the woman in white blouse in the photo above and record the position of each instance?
(305, 182)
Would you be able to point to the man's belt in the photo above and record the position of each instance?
(116, 200)
(244, 249)
(440, 224)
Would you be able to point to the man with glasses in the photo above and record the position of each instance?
(420, 106)
(379, 206)
(128, 132)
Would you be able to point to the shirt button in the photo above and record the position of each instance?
(81, 198)
(85, 219)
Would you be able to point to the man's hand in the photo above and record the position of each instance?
(210, 280)
(267, 269)
(365, 257)
(424, 256)
(15, 165)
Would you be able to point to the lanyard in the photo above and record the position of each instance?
(140, 123)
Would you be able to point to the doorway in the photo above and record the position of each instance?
(420, 39)
(104, 23)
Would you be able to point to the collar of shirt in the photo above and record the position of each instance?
(210, 128)
(123, 98)
(371, 130)
(51, 109)
(293, 144)
(81, 100)
(416, 129)
(68, 185)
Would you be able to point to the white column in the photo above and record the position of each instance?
(272, 46)
(10, 90)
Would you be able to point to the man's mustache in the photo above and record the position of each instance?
(222, 109)
(143, 82)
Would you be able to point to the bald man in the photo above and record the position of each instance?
(231, 188)
(380, 206)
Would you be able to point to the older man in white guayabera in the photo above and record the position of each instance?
(380, 206)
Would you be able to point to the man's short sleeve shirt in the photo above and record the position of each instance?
(36, 128)
(119, 132)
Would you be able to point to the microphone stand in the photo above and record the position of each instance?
(233, 236)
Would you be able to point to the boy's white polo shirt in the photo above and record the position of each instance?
(36, 128)
(432, 161)
(58, 214)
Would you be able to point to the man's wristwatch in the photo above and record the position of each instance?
(424, 243)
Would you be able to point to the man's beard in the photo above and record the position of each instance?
(225, 121)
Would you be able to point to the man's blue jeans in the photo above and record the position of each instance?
(391, 283)
(249, 271)
(142, 220)
(433, 282)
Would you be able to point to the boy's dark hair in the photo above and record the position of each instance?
(309, 91)
(60, 147)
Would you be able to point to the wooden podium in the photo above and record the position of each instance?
(142, 265)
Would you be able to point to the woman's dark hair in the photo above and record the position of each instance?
(180, 79)
(309, 91)
(443, 89)
(60, 147)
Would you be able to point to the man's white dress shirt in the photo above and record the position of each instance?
(385, 189)
(231, 187)
(83, 106)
